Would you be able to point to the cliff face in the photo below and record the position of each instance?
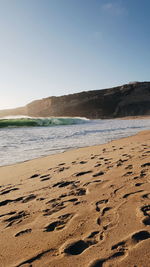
(127, 100)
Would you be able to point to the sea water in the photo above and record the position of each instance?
(21, 141)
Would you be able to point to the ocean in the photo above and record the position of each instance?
(27, 138)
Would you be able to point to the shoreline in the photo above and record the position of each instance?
(70, 149)
(145, 117)
(47, 199)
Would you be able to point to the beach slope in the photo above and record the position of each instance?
(87, 207)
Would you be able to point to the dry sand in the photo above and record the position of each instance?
(144, 117)
(85, 207)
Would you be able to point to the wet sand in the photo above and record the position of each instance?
(87, 207)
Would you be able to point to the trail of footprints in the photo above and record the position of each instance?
(77, 190)
(122, 247)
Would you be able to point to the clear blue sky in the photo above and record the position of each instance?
(55, 47)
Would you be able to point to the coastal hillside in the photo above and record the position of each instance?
(131, 99)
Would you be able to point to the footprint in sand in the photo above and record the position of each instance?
(146, 212)
(100, 173)
(17, 218)
(147, 164)
(55, 207)
(132, 193)
(128, 173)
(7, 201)
(130, 242)
(81, 173)
(45, 177)
(99, 263)
(147, 196)
(77, 247)
(62, 169)
(26, 231)
(95, 237)
(99, 220)
(120, 162)
(28, 198)
(71, 200)
(56, 204)
(9, 213)
(139, 184)
(34, 176)
(93, 182)
(64, 184)
(140, 236)
(143, 173)
(105, 210)
(117, 189)
(129, 167)
(59, 224)
(35, 258)
(77, 192)
(122, 248)
(93, 157)
(97, 165)
(100, 207)
(61, 164)
(99, 203)
(6, 191)
(82, 162)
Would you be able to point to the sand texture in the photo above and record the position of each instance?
(88, 207)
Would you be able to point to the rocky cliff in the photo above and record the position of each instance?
(131, 99)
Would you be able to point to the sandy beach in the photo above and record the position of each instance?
(87, 207)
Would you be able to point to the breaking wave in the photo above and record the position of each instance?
(39, 122)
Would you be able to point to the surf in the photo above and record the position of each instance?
(39, 122)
